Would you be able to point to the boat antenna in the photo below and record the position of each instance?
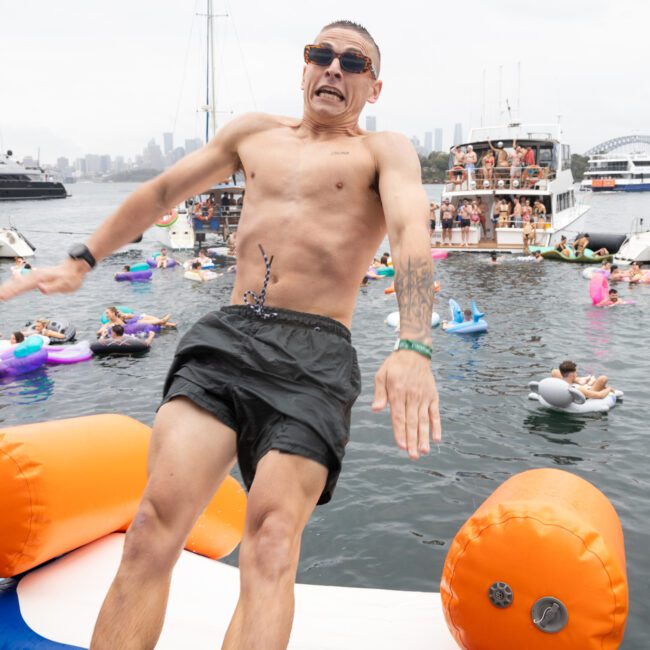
(500, 83)
(509, 111)
(519, 90)
(483, 101)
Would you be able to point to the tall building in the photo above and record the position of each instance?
(193, 145)
(152, 156)
(458, 133)
(428, 142)
(105, 164)
(168, 143)
(371, 123)
(93, 164)
(438, 140)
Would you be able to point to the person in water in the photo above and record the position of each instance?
(590, 387)
(40, 327)
(117, 334)
(162, 260)
(612, 300)
(16, 337)
(538, 257)
(467, 317)
(231, 392)
(116, 317)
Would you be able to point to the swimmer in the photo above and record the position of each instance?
(538, 257)
(162, 260)
(467, 317)
(275, 312)
(636, 275)
(203, 258)
(596, 389)
(117, 334)
(611, 300)
(16, 337)
(40, 327)
(616, 274)
(116, 317)
(494, 259)
(19, 265)
(203, 275)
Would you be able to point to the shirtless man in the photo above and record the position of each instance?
(590, 387)
(528, 233)
(293, 296)
(447, 211)
(470, 163)
(501, 169)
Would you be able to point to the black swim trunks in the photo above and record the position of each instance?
(287, 382)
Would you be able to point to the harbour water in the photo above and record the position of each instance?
(391, 521)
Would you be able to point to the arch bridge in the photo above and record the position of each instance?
(617, 143)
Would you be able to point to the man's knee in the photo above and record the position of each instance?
(149, 542)
(602, 380)
(273, 537)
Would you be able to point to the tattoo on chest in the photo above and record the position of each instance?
(414, 290)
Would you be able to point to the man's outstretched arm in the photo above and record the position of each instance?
(405, 380)
(194, 173)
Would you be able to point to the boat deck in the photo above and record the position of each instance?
(483, 246)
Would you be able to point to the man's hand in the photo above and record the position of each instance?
(64, 278)
(406, 382)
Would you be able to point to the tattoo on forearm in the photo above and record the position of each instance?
(414, 290)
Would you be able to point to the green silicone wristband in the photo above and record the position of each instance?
(414, 346)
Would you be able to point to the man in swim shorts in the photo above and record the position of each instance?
(590, 387)
(270, 380)
(447, 211)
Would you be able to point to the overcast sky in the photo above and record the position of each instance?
(82, 76)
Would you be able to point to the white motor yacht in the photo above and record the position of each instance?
(14, 244)
(547, 178)
(618, 172)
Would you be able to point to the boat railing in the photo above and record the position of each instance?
(532, 177)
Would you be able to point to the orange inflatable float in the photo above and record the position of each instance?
(68, 482)
(540, 565)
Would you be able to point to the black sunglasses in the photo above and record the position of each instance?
(350, 61)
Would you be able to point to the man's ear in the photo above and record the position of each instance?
(375, 91)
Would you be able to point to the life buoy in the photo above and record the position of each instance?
(455, 171)
(168, 219)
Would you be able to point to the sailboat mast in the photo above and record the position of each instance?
(208, 67)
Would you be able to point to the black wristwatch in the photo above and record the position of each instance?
(81, 252)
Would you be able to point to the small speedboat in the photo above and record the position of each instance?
(14, 244)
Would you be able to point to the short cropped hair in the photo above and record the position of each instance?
(567, 367)
(360, 29)
(118, 329)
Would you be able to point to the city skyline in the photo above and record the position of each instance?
(109, 90)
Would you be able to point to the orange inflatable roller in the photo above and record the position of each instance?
(540, 565)
(68, 482)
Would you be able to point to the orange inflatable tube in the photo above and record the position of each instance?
(68, 482)
(540, 565)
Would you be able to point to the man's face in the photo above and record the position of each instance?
(329, 91)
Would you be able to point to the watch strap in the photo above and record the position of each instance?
(82, 252)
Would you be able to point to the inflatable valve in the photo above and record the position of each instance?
(549, 615)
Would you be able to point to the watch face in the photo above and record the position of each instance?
(76, 251)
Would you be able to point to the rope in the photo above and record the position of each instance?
(258, 300)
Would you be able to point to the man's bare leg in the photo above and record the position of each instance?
(191, 452)
(284, 493)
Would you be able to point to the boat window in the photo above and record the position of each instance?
(545, 157)
(566, 156)
(642, 163)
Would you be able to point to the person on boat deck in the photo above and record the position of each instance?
(447, 210)
(231, 392)
(432, 217)
(517, 213)
(459, 156)
(40, 327)
(487, 167)
(529, 156)
(16, 337)
(467, 316)
(539, 211)
(117, 334)
(162, 260)
(470, 163)
(504, 214)
(590, 387)
(528, 234)
(612, 300)
(500, 153)
(563, 247)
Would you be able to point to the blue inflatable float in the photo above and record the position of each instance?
(459, 326)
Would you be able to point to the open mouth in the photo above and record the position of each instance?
(328, 91)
